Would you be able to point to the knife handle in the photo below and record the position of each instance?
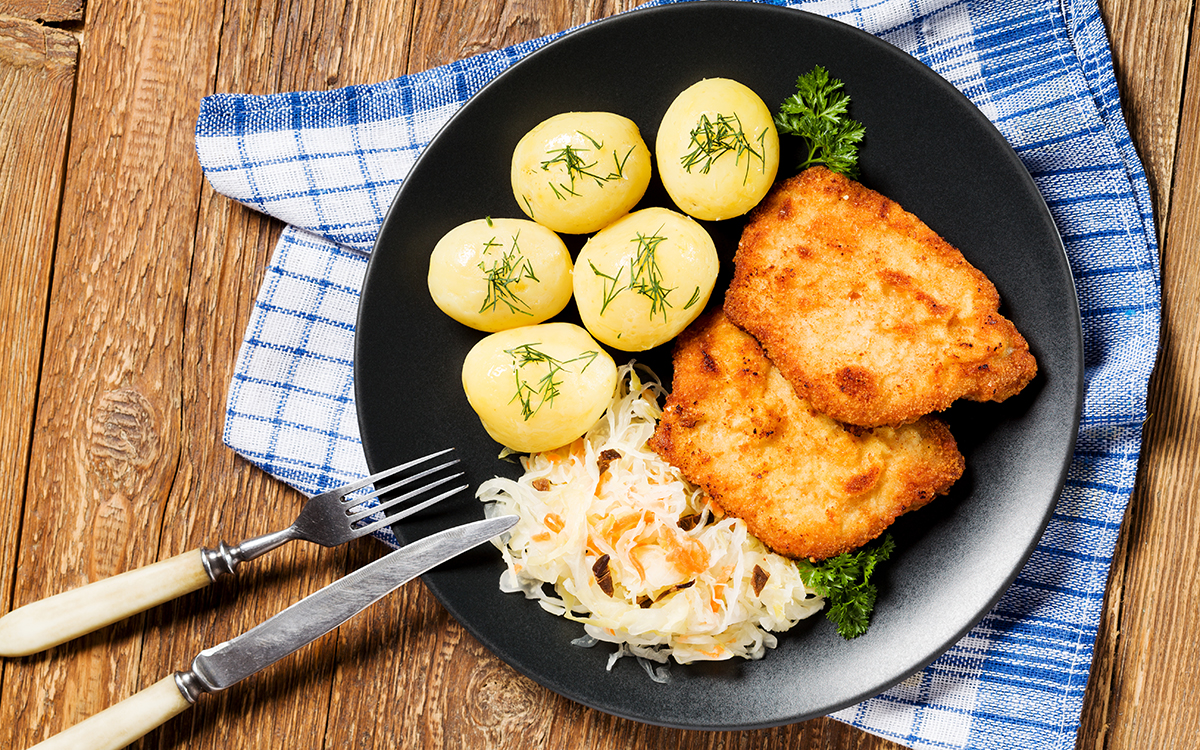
(122, 724)
(59, 618)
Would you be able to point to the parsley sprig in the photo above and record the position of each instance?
(845, 582)
(818, 113)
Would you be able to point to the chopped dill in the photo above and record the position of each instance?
(711, 140)
(505, 273)
(546, 388)
(619, 163)
(645, 276)
(575, 160)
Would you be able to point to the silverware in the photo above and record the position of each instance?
(220, 667)
(328, 519)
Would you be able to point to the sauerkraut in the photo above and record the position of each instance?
(635, 553)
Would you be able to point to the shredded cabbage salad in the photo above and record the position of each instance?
(635, 553)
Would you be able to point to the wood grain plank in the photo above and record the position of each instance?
(106, 441)
(1156, 668)
(1150, 73)
(220, 497)
(265, 48)
(37, 79)
(474, 28)
(1150, 70)
(43, 10)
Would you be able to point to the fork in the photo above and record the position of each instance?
(328, 519)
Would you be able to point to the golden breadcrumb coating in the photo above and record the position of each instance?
(869, 314)
(806, 485)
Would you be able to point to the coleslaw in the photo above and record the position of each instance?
(639, 556)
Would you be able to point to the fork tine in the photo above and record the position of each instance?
(372, 526)
(359, 511)
(401, 515)
(359, 484)
(357, 500)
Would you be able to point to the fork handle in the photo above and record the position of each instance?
(59, 618)
(122, 724)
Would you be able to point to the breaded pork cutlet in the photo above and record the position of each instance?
(869, 314)
(806, 485)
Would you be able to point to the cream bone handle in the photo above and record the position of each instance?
(57, 619)
(122, 724)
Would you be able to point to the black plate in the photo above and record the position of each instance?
(928, 148)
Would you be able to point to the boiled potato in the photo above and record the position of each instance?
(493, 274)
(538, 387)
(643, 278)
(578, 171)
(717, 149)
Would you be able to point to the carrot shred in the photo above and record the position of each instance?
(688, 555)
(615, 527)
(637, 564)
(714, 599)
(592, 547)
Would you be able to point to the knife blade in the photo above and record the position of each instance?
(221, 666)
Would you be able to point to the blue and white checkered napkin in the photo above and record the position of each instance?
(329, 163)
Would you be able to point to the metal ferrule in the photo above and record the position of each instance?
(220, 561)
(225, 559)
(191, 685)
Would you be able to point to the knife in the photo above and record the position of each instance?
(315, 615)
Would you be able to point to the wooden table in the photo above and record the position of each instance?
(126, 285)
